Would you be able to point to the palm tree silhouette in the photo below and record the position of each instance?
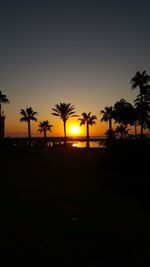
(110, 134)
(44, 126)
(141, 80)
(124, 112)
(108, 115)
(28, 115)
(3, 99)
(64, 111)
(88, 120)
(122, 130)
(143, 108)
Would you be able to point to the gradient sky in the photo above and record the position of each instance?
(83, 52)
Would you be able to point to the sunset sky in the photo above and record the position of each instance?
(83, 52)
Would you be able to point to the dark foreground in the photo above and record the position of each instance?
(76, 207)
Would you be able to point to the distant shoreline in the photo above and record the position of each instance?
(58, 138)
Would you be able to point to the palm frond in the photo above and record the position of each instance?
(33, 119)
(40, 130)
(3, 98)
(64, 111)
(28, 114)
(44, 126)
(23, 119)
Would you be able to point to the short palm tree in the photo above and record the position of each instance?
(44, 127)
(108, 114)
(3, 99)
(28, 115)
(110, 134)
(141, 80)
(88, 120)
(64, 111)
(122, 130)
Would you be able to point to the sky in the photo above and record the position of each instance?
(79, 52)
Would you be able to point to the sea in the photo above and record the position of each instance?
(76, 142)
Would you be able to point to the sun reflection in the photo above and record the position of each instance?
(75, 145)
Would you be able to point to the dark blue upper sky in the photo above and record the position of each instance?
(84, 52)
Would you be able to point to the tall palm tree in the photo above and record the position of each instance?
(141, 81)
(28, 115)
(3, 99)
(44, 126)
(108, 115)
(143, 108)
(88, 120)
(64, 111)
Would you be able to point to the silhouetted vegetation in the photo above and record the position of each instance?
(125, 114)
(3, 100)
(80, 206)
(122, 130)
(120, 116)
(64, 111)
(87, 120)
(142, 101)
(28, 115)
(108, 115)
(44, 127)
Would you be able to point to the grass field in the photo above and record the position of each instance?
(76, 207)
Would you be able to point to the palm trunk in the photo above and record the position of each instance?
(110, 125)
(29, 133)
(135, 129)
(0, 121)
(142, 120)
(87, 135)
(45, 139)
(65, 135)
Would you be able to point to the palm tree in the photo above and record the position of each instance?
(88, 120)
(124, 112)
(143, 108)
(64, 111)
(44, 126)
(110, 134)
(108, 114)
(28, 115)
(122, 130)
(3, 99)
(141, 80)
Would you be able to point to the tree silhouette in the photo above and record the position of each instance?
(110, 134)
(108, 115)
(135, 120)
(3, 99)
(124, 112)
(64, 111)
(28, 115)
(143, 108)
(88, 120)
(44, 127)
(122, 130)
(141, 80)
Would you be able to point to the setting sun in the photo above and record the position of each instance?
(74, 129)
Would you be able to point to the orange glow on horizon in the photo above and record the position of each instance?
(14, 128)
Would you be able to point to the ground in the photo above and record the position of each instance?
(71, 207)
